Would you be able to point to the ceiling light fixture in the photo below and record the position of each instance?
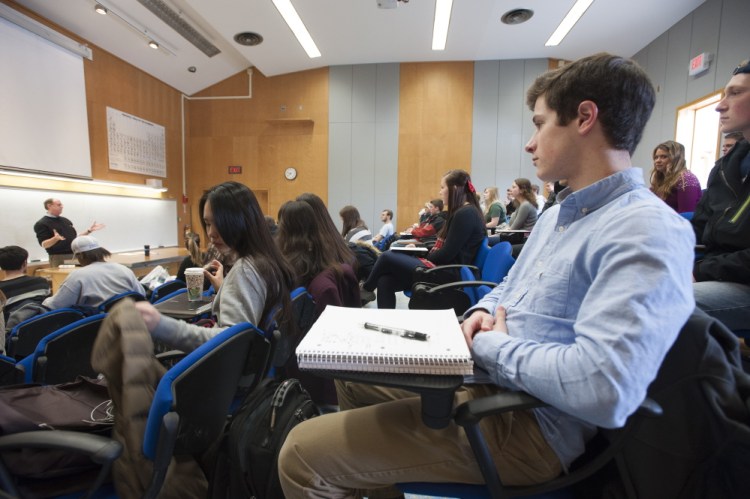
(442, 21)
(292, 19)
(100, 9)
(137, 27)
(576, 12)
(182, 24)
(153, 45)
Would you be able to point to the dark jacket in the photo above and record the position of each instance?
(699, 447)
(722, 222)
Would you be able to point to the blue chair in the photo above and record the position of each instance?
(687, 215)
(496, 267)
(64, 354)
(110, 302)
(433, 275)
(466, 292)
(165, 289)
(25, 336)
(187, 415)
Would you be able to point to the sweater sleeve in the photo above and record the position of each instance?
(518, 220)
(464, 221)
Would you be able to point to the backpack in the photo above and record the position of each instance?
(247, 462)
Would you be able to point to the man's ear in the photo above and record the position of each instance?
(588, 114)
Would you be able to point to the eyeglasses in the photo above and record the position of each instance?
(743, 67)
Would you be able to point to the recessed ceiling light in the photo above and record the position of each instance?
(100, 9)
(292, 19)
(153, 44)
(517, 16)
(248, 38)
(442, 22)
(570, 20)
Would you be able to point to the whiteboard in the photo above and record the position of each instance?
(130, 222)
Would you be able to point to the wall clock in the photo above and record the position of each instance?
(290, 173)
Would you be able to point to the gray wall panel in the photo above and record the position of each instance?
(706, 21)
(363, 95)
(339, 168)
(485, 117)
(340, 80)
(363, 144)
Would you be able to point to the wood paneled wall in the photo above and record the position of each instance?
(435, 127)
(283, 124)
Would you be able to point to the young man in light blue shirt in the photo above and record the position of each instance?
(583, 320)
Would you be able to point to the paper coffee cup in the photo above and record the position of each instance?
(194, 281)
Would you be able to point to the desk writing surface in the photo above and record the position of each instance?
(179, 307)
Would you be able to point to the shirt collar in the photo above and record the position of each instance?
(577, 204)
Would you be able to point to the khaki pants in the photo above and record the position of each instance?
(57, 260)
(378, 439)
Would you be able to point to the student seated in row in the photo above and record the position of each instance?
(18, 287)
(96, 281)
(258, 283)
(578, 322)
(458, 242)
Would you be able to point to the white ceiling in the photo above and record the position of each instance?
(356, 32)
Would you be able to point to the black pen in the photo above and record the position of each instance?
(404, 333)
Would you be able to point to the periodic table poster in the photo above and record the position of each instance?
(135, 145)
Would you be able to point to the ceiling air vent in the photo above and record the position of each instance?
(248, 38)
(180, 25)
(517, 16)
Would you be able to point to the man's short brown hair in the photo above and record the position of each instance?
(619, 87)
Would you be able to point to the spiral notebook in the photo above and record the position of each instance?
(339, 341)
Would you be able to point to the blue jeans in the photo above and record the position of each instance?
(392, 272)
(727, 301)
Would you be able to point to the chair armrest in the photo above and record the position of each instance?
(460, 284)
(101, 450)
(474, 410)
(447, 267)
(470, 413)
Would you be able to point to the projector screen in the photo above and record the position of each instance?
(43, 121)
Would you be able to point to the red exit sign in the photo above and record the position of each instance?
(234, 170)
(699, 63)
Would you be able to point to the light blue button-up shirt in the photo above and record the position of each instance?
(600, 292)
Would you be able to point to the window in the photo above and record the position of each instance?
(698, 131)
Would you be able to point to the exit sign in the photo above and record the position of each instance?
(234, 170)
(699, 63)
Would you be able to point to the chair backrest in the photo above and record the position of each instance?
(199, 389)
(498, 262)
(481, 257)
(166, 288)
(303, 313)
(25, 336)
(471, 291)
(61, 356)
(109, 302)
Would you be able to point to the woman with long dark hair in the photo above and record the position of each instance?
(457, 243)
(355, 228)
(257, 287)
(338, 245)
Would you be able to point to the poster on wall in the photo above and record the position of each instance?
(135, 145)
